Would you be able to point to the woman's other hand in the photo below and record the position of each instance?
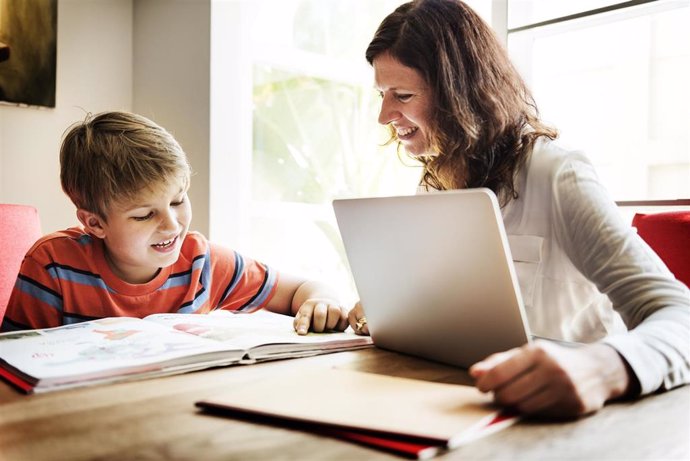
(544, 378)
(357, 320)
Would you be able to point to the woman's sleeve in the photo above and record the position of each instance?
(607, 250)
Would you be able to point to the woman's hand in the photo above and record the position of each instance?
(544, 378)
(357, 320)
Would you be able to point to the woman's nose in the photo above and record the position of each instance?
(388, 112)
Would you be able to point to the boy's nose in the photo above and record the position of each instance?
(168, 221)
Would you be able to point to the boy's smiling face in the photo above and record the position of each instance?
(144, 234)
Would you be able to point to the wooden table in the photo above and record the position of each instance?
(156, 419)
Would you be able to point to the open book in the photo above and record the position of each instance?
(123, 348)
(408, 417)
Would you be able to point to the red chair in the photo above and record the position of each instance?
(20, 227)
(668, 233)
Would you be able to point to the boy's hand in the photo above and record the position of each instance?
(314, 305)
(321, 314)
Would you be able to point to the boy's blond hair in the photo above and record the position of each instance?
(114, 156)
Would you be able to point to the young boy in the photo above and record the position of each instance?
(135, 254)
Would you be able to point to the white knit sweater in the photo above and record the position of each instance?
(585, 274)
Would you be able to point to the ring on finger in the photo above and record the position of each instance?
(360, 323)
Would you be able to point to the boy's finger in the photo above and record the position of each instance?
(342, 320)
(334, 316)
(303, 318)
(318, 320)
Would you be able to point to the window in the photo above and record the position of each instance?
(612, 80)
(525, 13)
(615, 84)
(315, 135)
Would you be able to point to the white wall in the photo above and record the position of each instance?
(94, 73)
(147, 56)
(171, 82)
(231, 102)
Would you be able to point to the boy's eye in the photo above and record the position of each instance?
(177, 203)
(143, 218)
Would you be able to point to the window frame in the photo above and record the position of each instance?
(609, 13)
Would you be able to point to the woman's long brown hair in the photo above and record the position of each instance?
(484, 119)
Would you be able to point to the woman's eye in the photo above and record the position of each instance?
(144, 218)
(403, 97)
(177, 203)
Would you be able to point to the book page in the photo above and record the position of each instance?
(99, 348)
(251, 330)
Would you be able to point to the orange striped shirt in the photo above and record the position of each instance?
(65, 279)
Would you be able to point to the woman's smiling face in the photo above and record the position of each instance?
(406, 103)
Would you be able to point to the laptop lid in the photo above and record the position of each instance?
(434, 274)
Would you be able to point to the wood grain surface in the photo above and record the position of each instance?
(156, 420)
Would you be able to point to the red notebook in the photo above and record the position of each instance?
(16, 381)
(410, 448)
(398, 444)
(411, 418)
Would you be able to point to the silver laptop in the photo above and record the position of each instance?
(434, 274)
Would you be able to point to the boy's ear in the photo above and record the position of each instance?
(91, 222)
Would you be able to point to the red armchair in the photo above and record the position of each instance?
(668, 233)
(20, 227)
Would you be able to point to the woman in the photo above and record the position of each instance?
(452, 99)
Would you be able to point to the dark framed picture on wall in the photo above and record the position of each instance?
(28, 52)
